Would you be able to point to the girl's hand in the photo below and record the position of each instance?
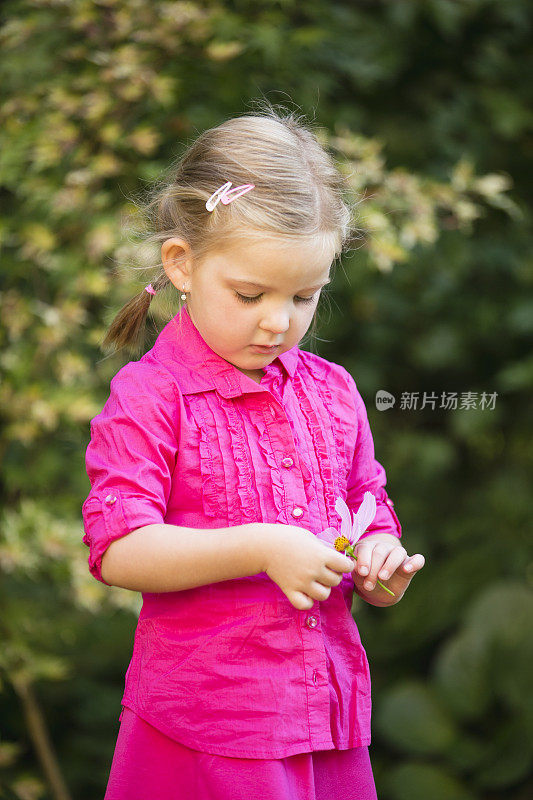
(379, 554)
(300, 563)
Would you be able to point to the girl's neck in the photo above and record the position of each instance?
(255, 375)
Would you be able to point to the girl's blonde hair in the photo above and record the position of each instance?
(298, 196)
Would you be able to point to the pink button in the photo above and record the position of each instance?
(287, 462)
(388, 501)
(110, 499)
(315, 677)
(311, 622)
(297, 512)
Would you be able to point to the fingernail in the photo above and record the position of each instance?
(363, 570)
(384, 574)
(409, 567)
(369, 586)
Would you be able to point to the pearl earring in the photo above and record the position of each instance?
(183, 295)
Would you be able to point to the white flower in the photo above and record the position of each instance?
(352, 530)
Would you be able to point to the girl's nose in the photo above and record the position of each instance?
(276, 322)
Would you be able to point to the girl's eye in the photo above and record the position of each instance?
(246, 299)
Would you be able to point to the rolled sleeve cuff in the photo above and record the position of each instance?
(110, 516)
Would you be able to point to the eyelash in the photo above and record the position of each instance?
(245, 299)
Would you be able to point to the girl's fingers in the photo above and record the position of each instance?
(363, 552)
(330, 578)
(396, 558)
(380, 552)
(414, 563)
(380, 561)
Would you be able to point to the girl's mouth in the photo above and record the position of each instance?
(261, 349)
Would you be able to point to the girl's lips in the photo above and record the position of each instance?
(262, 349)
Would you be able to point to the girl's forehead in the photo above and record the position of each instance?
(266, 261)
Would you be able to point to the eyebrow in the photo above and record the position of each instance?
(260, 285)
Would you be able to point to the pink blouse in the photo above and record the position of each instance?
(185, 438)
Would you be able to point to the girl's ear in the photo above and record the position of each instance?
(176, 257)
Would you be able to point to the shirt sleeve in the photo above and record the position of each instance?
(130, 458)
(368, 475)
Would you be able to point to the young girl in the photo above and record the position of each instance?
(215, 466)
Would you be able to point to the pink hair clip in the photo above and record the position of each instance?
(225, 195)
(150, 289)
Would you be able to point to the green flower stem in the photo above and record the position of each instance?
(349, 552)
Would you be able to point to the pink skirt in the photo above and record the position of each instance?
(148, 765)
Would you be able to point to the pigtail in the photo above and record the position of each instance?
(129, 325)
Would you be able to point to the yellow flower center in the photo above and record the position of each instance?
(341, 543)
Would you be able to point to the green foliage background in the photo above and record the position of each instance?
(427, 106)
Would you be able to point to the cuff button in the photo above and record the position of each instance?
(110, 499)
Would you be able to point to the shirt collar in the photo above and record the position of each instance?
(202, 369)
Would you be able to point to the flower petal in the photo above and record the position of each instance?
(346, 518)
(328, 536)
(365, 515)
